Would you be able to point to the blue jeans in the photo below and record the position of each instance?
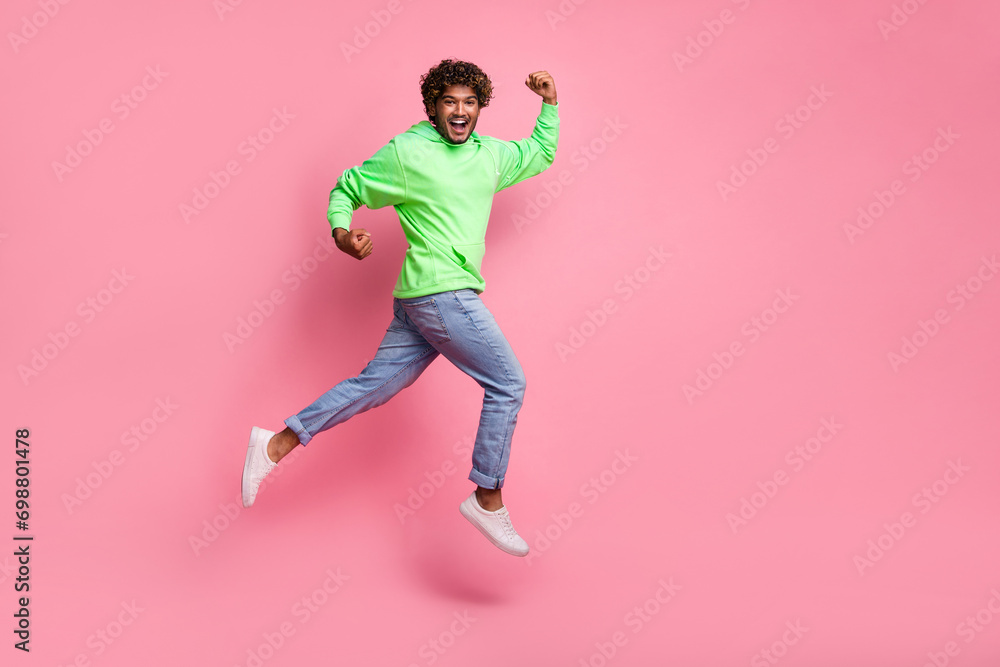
(458, 325)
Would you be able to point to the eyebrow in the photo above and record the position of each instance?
(453, 97)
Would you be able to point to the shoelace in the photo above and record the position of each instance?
(505, 523)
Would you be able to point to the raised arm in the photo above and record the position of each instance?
(530, 156)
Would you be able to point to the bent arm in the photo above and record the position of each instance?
(377, 182)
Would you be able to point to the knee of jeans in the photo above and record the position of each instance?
(517, 386)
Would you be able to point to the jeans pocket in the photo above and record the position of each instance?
(426, 316)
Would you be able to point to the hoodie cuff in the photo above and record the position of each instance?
(339, 219)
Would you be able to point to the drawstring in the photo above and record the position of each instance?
(496, 167)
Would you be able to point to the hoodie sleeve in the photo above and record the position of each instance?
(378, 182)
(534, 154)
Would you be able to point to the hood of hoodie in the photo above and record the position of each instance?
(428, 131)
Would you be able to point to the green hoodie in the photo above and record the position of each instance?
(443, 194)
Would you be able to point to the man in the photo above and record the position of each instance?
(440, 175)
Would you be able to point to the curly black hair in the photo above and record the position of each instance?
(452, 73)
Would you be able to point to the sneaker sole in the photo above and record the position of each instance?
(255, 433)
(467, 513)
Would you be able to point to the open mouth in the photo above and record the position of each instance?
(459, 126)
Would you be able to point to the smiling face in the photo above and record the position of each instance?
(456, 113)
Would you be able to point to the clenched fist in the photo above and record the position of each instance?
(355, 242)
(542, 84)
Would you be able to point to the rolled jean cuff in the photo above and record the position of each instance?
(485, 481)
(294, 424)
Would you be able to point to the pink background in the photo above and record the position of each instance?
(659, 135)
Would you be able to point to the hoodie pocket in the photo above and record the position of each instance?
(471, 255)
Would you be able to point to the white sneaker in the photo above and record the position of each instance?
(258, 464)
(495, 526)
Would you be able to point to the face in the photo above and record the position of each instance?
(456, 104)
